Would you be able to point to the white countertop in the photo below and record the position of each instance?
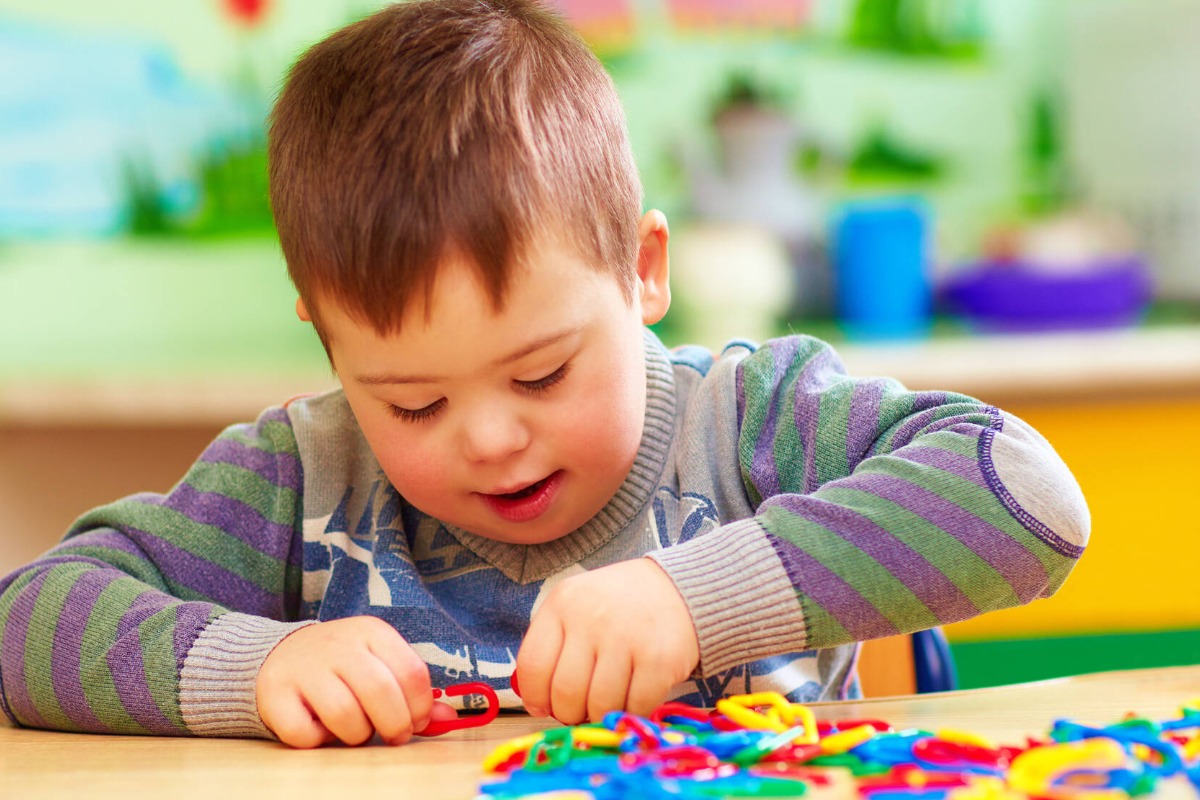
(1095, 365)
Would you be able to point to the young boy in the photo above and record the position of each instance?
(516, 475)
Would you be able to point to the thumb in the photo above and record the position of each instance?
(440, 712)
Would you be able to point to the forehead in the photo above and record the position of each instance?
(550, 287)
(547, 281)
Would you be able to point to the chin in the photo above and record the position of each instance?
(528, 533)
(529, 537)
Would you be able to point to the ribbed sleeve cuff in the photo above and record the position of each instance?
(742, 602)
(217, 683)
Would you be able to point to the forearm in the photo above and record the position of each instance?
(217, 681)
(96, 634)
(86, 647)
(743, 603)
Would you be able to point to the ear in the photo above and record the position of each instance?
(302, 311)
(653, 267)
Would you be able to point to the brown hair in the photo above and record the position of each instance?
(436, 126)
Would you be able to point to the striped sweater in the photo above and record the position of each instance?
(798, 510)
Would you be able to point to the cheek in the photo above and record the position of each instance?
(607, 424)
(413, 475)
(410, 462)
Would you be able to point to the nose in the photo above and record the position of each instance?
(493, 433)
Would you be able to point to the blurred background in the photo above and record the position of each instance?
(1000, 197)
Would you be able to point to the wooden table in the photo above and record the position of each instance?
(41, 764)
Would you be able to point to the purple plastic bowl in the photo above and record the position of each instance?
(1019, 297)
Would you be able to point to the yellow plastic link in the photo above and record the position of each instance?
(965, 737)
(1033, 770)
(748, 717)
(804, 716)
(775, 700)
(838, 743)
(597, 737)
(507, 750)
(984, 787)
(780, 715)
(1191, 749)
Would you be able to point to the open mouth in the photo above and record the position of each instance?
(527, 503)
(528, 491)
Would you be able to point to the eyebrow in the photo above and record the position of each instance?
(387, 379)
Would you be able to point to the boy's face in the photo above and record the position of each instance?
(519, 424)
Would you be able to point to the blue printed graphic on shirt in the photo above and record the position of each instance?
(463, 616)
(677, 518)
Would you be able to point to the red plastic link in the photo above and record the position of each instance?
(438, 727)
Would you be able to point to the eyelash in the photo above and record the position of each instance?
(433, 409)
(543, 384)
(418, 414)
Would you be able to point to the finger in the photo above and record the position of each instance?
(439, 713)
(569, 686)
(380, 697)
(293, 722)
(535, 664)
(338, 710)
(609, 686)
(411, 676)
(647, 690)
(442, 712)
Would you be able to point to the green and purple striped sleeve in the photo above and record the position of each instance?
(153, 613)
(879, 511)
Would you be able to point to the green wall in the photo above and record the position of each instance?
(997, 662)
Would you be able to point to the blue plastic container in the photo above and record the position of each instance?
(883, 287)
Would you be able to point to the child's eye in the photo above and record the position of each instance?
(542, 384)
(417, 414)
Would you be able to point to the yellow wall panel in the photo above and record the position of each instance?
(1138, 462)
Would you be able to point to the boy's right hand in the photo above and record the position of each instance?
(347, 680)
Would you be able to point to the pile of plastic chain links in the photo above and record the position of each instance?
(760, 745)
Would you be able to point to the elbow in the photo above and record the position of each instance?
(1041, 492)
(1038, 487)
(1077, 530)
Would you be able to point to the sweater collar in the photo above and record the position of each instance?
(527, 563)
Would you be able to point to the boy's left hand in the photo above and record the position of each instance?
(614, 638)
